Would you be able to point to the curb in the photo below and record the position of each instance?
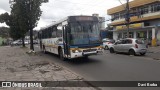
(156, 58)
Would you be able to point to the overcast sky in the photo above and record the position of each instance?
(58, 9)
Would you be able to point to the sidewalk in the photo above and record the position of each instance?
(154, 52)
(17, 65)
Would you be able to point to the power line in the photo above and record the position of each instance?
(122, 4)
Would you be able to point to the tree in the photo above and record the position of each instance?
(29, 13)
(24, 17)
(11, 21)
(18, 12)
(33, 15)
(17, 29)
(5, 18)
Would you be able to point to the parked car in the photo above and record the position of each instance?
(107, 43)
(35, 41)
(26, 42)
(16, 42)
(129, 45)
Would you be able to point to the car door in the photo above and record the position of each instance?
(123, 45)
(126, 45)
(117, 46)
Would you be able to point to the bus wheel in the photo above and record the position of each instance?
(85, 57)
(61, 55)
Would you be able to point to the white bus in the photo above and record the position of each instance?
(72, 37)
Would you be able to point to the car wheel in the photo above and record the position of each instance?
(131, 52)
(106, 47)
(142, 54)
(111, 50)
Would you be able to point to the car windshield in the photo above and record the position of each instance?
(119, 42)
(85, 33)
(140, 41)
(109, 40)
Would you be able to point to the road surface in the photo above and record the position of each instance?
(113, 67)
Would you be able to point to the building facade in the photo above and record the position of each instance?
(144, 21)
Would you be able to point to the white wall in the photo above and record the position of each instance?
(115, 35)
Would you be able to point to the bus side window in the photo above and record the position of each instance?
(54, 34)
(54, 29)
(59, 33)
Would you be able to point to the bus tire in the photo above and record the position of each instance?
(61, 55)
(86, 58)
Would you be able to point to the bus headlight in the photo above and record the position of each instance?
(100, 48)
(76, 51)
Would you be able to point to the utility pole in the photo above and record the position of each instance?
(127, 17)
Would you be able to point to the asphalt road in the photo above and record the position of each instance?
(113, 67)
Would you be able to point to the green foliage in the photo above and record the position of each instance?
(28, 12)
(23, 18)
(5, 18)
(12, 21)
(4, 32)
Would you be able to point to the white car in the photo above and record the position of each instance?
(17, 42)
(130, 45)
(107, 43)
(26, 42)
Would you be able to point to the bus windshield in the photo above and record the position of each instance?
(85, 33)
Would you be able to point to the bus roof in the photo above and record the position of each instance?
(73, 19)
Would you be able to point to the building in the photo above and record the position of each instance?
(101, 21)
(144, 20)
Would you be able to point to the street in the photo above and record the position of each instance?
(113, 67)
(76, 45)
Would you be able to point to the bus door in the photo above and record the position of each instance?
(66, 40)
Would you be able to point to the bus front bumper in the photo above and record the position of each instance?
(82, 54)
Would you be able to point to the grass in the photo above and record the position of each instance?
(1, 40)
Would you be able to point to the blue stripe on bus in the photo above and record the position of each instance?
(78, 46)
(60, 44)
(83, 46)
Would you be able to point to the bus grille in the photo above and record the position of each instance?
(89, 50)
